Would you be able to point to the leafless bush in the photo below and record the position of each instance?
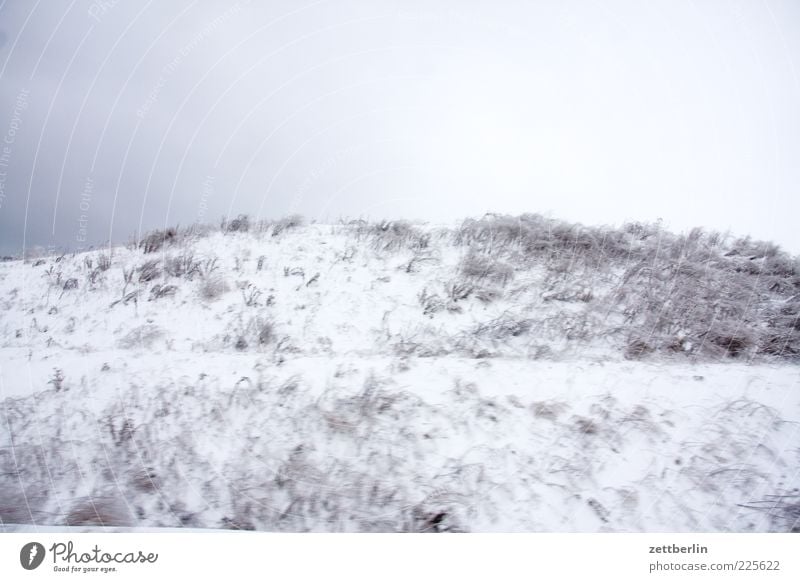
(213, 287)
(537, 237)
(156, 239)
(182, 265)
(731, 343)
(548, 409)
(258, 330)
(99, 511)
(780, 337)
(208, 267)
(133, 296)
(637, 349)
(265, 331)
(484, 268)
(149, 270)
(58, 379)
(69, 285)
(239, 224)
(103, 262)
(393, 235)
(783, 509)
(143, 336)
(458, 290)
(145, 479)
(158, 291)
(493, 231)
(424, 519)
(487, 294)
(420, 257)
(431, 303)
(294, 271)
(250, 295)
(16, 508)
(284, 224)
(576, 292)
(586, 426)
(503, 328)
(53, 277)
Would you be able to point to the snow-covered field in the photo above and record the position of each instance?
(342, 378)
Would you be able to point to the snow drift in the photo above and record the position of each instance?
(509, 374)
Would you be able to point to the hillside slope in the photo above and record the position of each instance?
(513, 374)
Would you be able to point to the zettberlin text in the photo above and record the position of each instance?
(674, 549)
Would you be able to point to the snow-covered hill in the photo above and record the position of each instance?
(507, 375)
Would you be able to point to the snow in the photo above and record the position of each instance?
(163, 420)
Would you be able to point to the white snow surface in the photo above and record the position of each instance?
(177, 412)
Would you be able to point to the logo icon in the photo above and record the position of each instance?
(31, 555)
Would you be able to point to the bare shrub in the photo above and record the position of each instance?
(503, 327)
(458, 290)
(158, 291)
(420, 257)
(207, 267)
(99, 511)
(265, 330)
(126, 298)
(393, 235)
(477, 266)
(53, 277)
(250, 295)
(258, 330)
(58, 379)
(576, 292)
(783, 510)
(143, 336)
(431, 303)
(493, 231)
(437, 520)
(15, 507)
(182, 265)
(487, 294)
(548, 409)
(213, 287)
(637, 349)
(156, 239)
(145, 480)
(286, 223)
(149, 270)
(103, 262)
(69, 285)
(239, 224)
(586, 426)
(731, 343)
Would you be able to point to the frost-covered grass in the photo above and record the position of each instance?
(513, 374)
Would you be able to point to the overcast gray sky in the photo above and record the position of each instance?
(117, 116)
